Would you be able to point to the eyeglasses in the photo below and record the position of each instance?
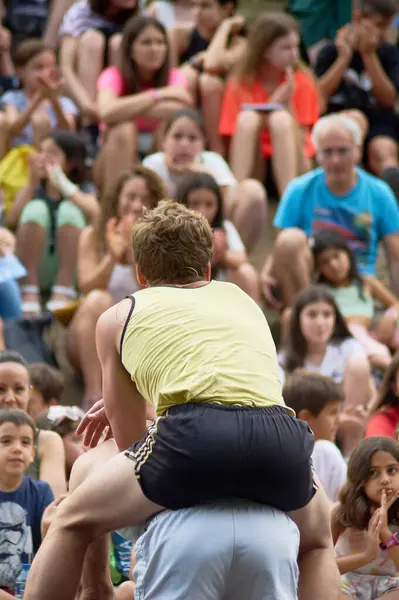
(341, 152)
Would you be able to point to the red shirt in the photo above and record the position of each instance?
(384, 423)
(305, 103)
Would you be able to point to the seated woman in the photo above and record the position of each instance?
(30, 113)
(106, 271)
(200, 192)
(208, 49)
(134, 99)
(51, 211)
(245, 203)
(90, 38)
(282, 104)
(49, 461)
(318, 340)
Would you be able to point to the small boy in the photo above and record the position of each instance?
(22, 500)
(47, 388)
(316, 399)
(359, 74)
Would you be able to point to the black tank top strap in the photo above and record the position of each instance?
(133, 300)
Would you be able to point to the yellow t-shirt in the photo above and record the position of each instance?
(204, 344)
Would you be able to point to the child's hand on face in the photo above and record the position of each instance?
(283, 94)
(387, 500)
(345, 41)
(368, 37)
(49, 87)
(373, 536)
(116, 242)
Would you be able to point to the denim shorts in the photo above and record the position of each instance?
(226, 551)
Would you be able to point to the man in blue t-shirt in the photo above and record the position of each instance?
(337, 196)
(22, 500)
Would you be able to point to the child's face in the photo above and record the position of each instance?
(53, 154)
(149, 50)
(14, 386)
(380, 23)
(205, 202)
(41, 65)
(134, 196)
(334, 265)
(383, 474)
(209, 13)
(317, 322)
(284, 52)
(74, 447)
(183, 144)
(324, 426)
(16, 448)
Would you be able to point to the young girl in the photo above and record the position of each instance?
(335, 266)
(318, 340)
(200, 192)
(184, 151)
(384, 419)
(49, 462)
(365, 522)
(105, 266)
(33, 111)
(51, 211)
(134, 99)
(269, 73)
(90, 36)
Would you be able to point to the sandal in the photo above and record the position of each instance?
(61, 290)
(31, 308)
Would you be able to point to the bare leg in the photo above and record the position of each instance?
(41, 126)
(247, 279)
(31, 240)
(113, 49)
(81, 340)
(4, 135)
(211, 93)
(293, 263)
(248, 210)
(124, 591)
(390, 596)
(318, 572)
(83, 517)
(356, 386)
(67, 252)
(245, 144)
(382, 153)
(118, 154)
(281, 125)
(90, 60)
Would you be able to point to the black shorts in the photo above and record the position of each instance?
(202, 452)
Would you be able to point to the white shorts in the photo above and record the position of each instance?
(367, 587)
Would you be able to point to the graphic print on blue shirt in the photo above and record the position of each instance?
(355, 228)
(16, 545)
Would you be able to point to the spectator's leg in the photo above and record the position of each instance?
(124, 591)
(10, 300)
(281, 125)
(4, 135)
(114, 44)
(245, 144)
(31, 244)
(81, 341)
(118, 154)
(357, 391)
(90, 60)
(247, 208)
(41, 127)
(211, 93)
(247, 279)
(382, 154)
(292, 263)
(69, 223)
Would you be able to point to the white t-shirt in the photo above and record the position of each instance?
(334, 361)
(233, 240)
(330, 467)
(212, 161)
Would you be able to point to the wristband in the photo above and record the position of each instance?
(156, 94)
(61, 181)
(393, 541)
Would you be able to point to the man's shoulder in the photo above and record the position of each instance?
(375, 185)
(304, 182)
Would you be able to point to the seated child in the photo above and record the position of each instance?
(47, 388)
(316, 399)
(22, 500)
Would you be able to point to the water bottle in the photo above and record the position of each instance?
(21, 581)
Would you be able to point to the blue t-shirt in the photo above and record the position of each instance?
(364, 216)
(21, 513)
(18, 99)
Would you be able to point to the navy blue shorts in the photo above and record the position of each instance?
(202, 452)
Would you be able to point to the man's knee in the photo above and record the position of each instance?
(291, 243)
